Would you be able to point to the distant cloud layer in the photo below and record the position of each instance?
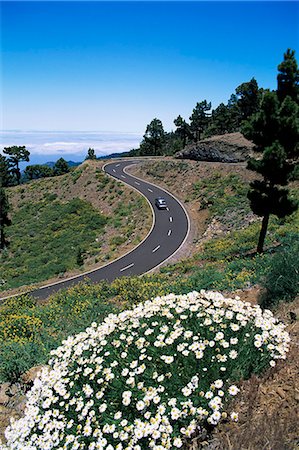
(70, 143)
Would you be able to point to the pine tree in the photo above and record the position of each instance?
(183, 129)
(200, 119)
(91, 154)
(248, 95)
(61, 167)
(4, 171)
(153, 139)
(288, 77)
(16, 154)
(274, 129)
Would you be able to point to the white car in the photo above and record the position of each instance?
(161, 203)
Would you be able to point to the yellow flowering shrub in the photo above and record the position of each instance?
(17, 327)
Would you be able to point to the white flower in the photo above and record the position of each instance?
(177, 442)
(233, 390)
(234, 416)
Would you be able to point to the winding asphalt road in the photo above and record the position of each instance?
(169, 231)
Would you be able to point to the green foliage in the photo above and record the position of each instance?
(153, 139)
(15, 155)
(288, 77)
(274, 129)
(29, 331)
(4, 218)
(38, 171)
(183, 130)
(5, 178)
(199, 119)
(45, 238)
(61, 167)
(91, 154)
(80, 257)
(282, 279)
(249, 97)
(221, 193)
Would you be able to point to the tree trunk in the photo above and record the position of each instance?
(260, 245)
(18, 174)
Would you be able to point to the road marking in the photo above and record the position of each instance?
(127, 267)
(150, 190)
(170, 219)
(117, 165)
(136, 182)
(155, 249)
(167, 209)
(169, 233)
(123, 176)
(113, 170)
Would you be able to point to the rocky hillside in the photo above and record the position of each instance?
(229, 148)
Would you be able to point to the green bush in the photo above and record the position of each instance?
(18, 357)
(282, 280)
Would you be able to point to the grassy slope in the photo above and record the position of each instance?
(56, 219)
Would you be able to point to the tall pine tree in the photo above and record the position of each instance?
(288, 77)
(274, 129)
(200, 119)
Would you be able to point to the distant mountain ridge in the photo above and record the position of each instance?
(70, 164)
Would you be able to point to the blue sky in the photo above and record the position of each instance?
(114, 66)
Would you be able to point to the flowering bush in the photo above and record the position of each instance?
(148, 377)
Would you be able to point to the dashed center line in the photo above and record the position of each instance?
(169, 232)
(156, 248)
(136, 182)
(170, 219)
(127, 267)
(117, 165)
(113, 170)
(150, 190)
(123, 176)
(167, 209)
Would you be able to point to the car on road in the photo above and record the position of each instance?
(161, 203)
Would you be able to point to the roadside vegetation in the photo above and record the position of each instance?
(58, 228)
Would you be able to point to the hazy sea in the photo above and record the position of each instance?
(45, 146)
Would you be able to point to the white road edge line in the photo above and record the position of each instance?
(169, 233)
(150, 190)
(127, 267)
(156, 248)
(170, 219)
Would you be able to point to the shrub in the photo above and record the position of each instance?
(18, 357)
(282, 279)
(150, 376)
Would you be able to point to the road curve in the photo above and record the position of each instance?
(169, 231)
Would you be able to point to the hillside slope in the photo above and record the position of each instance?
(63, 225)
